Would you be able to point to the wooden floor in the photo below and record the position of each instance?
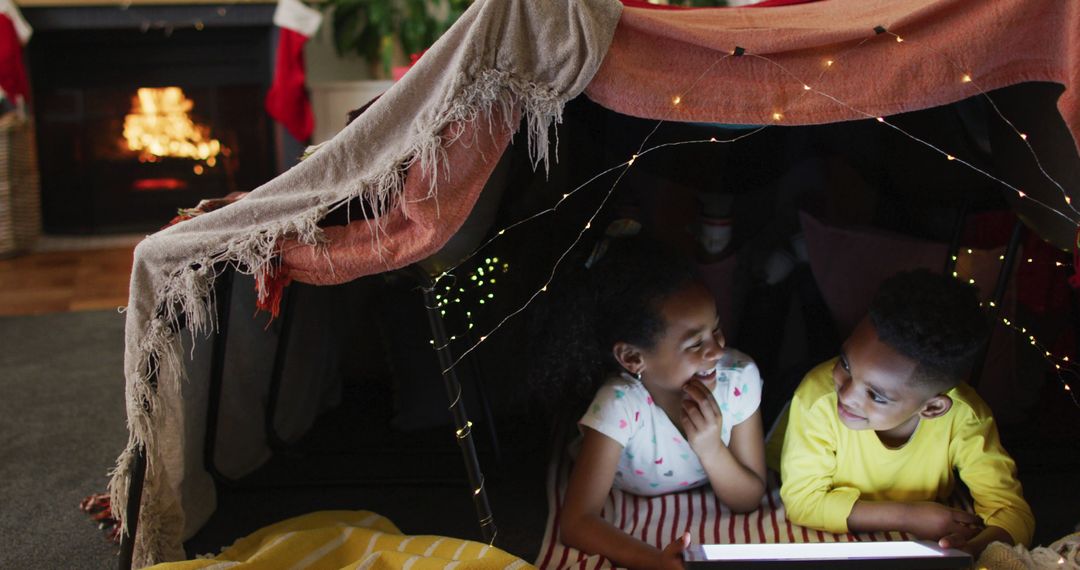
(62, 281)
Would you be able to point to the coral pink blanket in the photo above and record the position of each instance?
(657, 55)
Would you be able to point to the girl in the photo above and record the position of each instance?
(647, 333)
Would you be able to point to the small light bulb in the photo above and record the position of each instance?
(950, 157)
(966, 78)
(1022, 195)
(806, 87)
(971, 281)
(1023, 136)
(828, 63)
(899, 40)
(881, 119)
(777, 116)
(676, 100)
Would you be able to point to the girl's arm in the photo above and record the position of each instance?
(580, 523)
(736, 472)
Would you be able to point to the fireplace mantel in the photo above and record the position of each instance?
(169, 15)
(100, 4)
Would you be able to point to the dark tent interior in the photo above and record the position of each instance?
(810, 217)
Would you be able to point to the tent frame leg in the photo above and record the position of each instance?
(461, 421)
(223, 291)
(1004, 275)
(131, 509)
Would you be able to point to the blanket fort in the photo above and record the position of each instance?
(406, 159)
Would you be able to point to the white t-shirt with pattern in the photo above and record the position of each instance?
(656, 459)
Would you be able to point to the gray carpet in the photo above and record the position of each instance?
(61, 428)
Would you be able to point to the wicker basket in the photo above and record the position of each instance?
(20, 190)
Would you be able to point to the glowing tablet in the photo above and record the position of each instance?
(870, 555)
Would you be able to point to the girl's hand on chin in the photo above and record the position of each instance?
(701, 419)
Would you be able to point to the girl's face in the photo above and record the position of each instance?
(690, 345)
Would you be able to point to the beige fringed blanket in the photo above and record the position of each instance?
(518, 57)
(506, 59)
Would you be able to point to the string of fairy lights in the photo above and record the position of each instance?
(967, 77)
(1062, 365)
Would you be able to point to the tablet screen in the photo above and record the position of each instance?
(819, 551)
(909, 555)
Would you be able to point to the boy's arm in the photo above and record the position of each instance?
(807, 467)
(990, 474)
(926, 520)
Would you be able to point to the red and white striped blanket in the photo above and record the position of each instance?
(660, 520)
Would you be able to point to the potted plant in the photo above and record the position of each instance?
(384, 31)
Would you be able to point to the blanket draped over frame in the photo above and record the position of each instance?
(406, 161)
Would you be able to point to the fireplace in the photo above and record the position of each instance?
(147, 109)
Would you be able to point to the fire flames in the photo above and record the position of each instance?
(159, 126)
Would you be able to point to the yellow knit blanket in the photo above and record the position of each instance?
(351, 539)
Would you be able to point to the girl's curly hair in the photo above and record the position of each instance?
(587, 311)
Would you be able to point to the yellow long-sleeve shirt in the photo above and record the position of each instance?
(826, 466)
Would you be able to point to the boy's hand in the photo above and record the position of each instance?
(975, 545)
(671, 556)
(701, 419)
(934, 521)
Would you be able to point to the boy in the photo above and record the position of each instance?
(873, 437)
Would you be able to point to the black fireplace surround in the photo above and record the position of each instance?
(85, 66)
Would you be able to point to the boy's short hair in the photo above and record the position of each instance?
(932, 319)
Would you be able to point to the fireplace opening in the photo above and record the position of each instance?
(134, 124)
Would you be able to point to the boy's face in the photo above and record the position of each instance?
(874, 388)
